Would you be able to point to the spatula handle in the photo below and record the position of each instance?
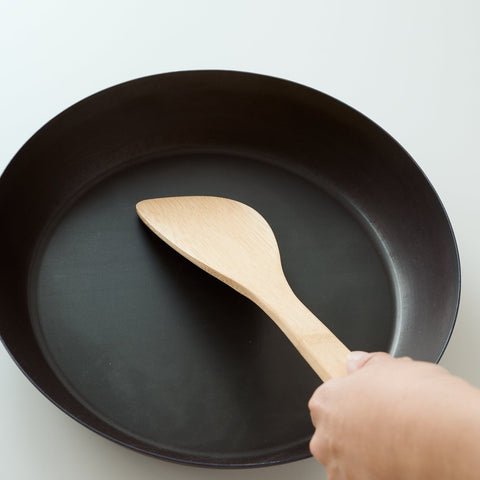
(323, 351)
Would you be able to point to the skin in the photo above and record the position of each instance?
(395, 419)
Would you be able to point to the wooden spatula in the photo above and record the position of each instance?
(234, 243)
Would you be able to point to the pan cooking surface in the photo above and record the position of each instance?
(171, 355)
(141, 346)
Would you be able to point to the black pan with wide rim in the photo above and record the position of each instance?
(136, 343)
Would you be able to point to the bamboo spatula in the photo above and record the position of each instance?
(234, 243)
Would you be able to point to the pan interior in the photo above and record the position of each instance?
(171, 356)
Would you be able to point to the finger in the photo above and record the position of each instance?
(357, 360)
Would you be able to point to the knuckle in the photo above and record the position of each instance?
(323, 393)
(314, 399)
(319, 448)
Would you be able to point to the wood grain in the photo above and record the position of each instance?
(235, 244)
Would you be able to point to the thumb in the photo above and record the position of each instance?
(356, 360)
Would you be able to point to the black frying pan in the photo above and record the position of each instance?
(132, 340)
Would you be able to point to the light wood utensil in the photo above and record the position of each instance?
(234, 243)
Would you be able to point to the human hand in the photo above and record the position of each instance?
(396, 419)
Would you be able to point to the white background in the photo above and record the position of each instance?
(411, 66)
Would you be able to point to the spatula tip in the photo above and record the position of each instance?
(140, 206)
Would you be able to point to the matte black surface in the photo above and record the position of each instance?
(140, 345)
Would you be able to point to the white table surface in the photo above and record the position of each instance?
(411, 66)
